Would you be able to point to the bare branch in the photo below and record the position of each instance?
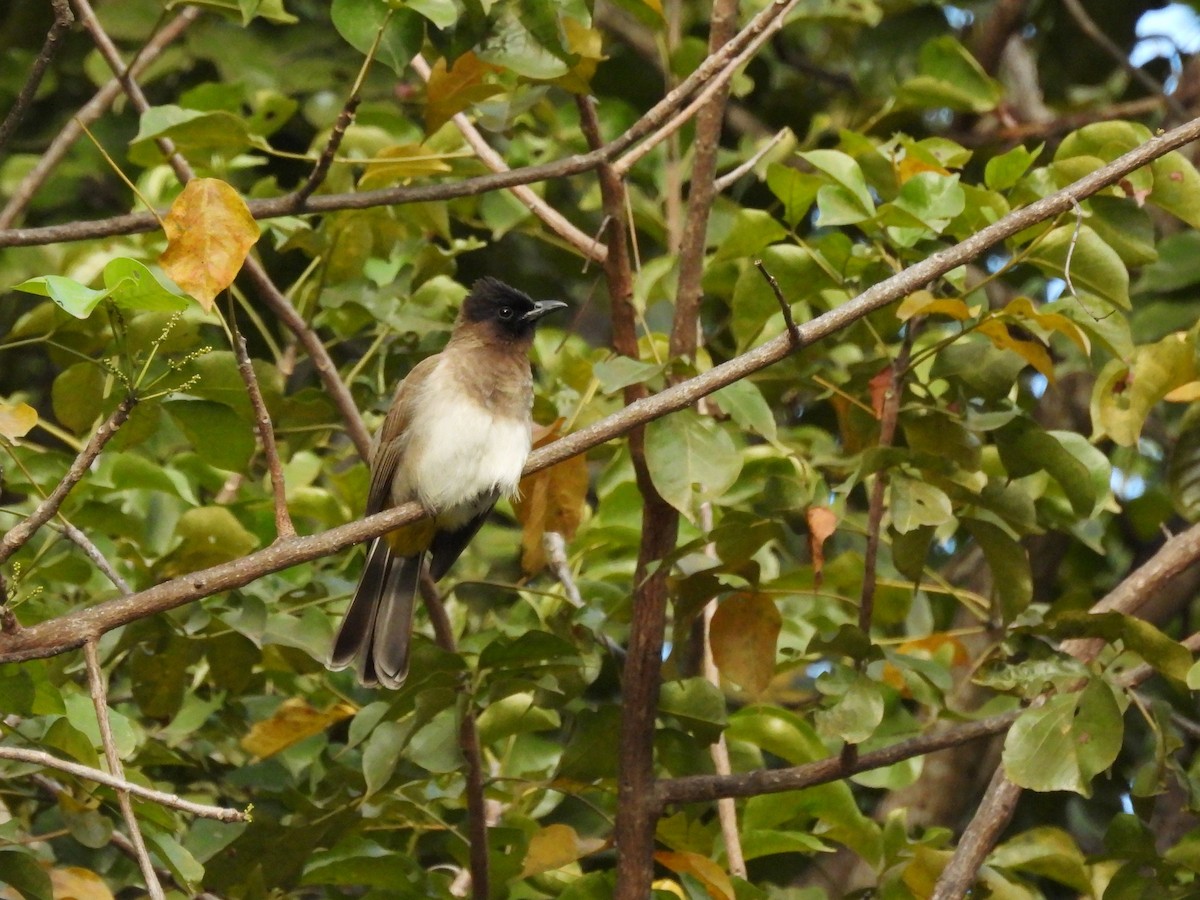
(468, 743)
(784, 306)
(99, 694)
(92, 552)
(317, 176)
(554, 220)
(266, 434)
(41, 758)
(63, 18)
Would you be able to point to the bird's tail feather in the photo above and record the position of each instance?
(377, 629)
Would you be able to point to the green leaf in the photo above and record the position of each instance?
(21, 872)
(359, 22)
(1126, 391)
(752, 231)
(1012, 581)
(1169, 657)
(745, 404)
(442, 13)
(194, 133)
(77, 395)
(1026, 447)
(1183, 472)
(1005, 170)
(208, 536)
(1046, 852)
(796, 190)
(1177, 266)
(856, 713)
(755, 305)
(621, 371)
(382, 752)
(1095, 266)
(216, 431)
(1063, 744)
(1176, 187)
(698, 704)
(691, 460)
(932, 199)
(515, 714)
(916, 503)
(846, 173)
(77, 299)
(950, 77)
(1126, 228)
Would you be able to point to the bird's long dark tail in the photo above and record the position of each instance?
(377, 630)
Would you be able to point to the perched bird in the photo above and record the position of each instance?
(456, 439)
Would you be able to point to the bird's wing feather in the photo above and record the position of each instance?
(448, 545)
(390, 440)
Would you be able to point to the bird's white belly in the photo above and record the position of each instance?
(460, 451)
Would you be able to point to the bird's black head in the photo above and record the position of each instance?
(509, 313)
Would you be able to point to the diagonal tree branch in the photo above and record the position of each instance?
(67, 632)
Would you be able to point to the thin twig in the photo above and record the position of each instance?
(23, 531)
(63, 18)
(172, 801)
(327, 370)
(468, 742)
(317, 176)
(67, 632)
(266, 434)
(719, 749)
(99, 694)
(784, 306)
(723, 183)
(92, 552)
(591, 248)
(1093, 31)
(49, 158)
(717, 83)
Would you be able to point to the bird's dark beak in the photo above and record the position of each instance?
(540, 308)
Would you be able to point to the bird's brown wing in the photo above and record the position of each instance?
(389, 441)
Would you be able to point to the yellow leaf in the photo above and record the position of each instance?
(1185, 393)
(556, 846)
(209, 233)
(1030, 351)
(403, 163)
(294, 721)
(587, 45)
(75, 883)
(715, 879)
(743, 633)
(912, 165)
(924, 303)
(16, 419)
(452, 90)
(553, 499)
(1023, 310)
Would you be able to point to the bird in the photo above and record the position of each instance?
(455, 439)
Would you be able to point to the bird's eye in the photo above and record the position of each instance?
(506, 313)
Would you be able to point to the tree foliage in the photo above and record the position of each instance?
(845, 562)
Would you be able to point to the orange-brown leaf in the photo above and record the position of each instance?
(879, 386)
(743, 634)
(209, 233)
(551, 500)
(452, 90)
(822, 521)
